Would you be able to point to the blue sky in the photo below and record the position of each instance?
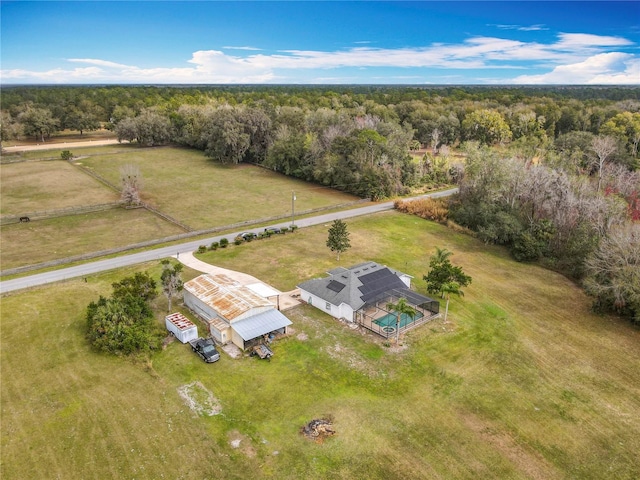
(330, 42)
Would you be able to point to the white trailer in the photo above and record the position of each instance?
(181, 327)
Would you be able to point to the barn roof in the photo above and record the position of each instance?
(226, 296)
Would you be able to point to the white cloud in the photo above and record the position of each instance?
(102, 63)
(520, 28)
(569, 41)
(605, 68)
(573, 58)
(242, 48)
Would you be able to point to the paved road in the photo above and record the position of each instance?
(164, 252)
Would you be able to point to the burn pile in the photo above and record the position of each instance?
(318, 429)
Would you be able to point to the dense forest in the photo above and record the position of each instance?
(550, 172)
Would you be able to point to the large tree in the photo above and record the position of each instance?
(486, 126)
(82, 121)
(171, 282)
(613, 271)
(603, 147)
(124, 324)
(131, 181)
(38, 122)
(338, 240)
(626, 127)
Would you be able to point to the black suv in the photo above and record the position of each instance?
(272, 230)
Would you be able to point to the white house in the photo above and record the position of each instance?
(361, 294)
(233, 312)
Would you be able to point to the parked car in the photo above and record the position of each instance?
(272, 230)
(206, 349)
(246, 236)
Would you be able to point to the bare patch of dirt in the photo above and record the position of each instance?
(167, 341)
(199, 399)
(351, 358)
(232, 350)
(242, 442)
(302, 336)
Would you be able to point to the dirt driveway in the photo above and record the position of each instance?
(52, 146)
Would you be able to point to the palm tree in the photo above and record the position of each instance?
(442, 254)
(402, 307)
(448, 289)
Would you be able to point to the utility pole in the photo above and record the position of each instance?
(293, 208)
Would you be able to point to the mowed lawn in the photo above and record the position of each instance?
(522, 382)
(63, 237)
(203, 194)
(48, 185)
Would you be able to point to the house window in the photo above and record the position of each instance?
(328, 306)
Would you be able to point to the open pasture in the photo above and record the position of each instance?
(48, 185)
(523, 382)
(202, 193)
(180, 182)
(57, 238)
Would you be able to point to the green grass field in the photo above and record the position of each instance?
(40, 186)
(202, 193)
(58, 238)
(175, 181)
(523, 382)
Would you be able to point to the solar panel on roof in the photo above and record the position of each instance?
(335, 286)
(377, 282)
(375, 275)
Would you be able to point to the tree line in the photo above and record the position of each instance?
(356, 139)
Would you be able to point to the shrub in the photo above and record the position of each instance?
(124, 323)
(526, 247)
(224, 242)
(66, 155)
(434, 209)
(202, 248)
(238, 241)
(214, 246)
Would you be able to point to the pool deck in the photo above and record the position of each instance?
(371, 315)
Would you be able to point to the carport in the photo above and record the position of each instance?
(252, 330)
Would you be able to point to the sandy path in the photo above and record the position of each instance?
(51, 146)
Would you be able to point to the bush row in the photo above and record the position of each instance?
(223, 243)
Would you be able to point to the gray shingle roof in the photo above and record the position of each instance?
(355, 285)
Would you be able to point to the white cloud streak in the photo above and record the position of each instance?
(242, 48)
(573, 58)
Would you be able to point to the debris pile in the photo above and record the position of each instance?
(318, 429)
